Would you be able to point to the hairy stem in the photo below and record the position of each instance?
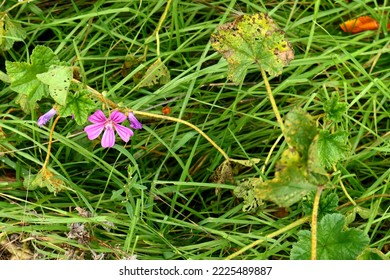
(314, 223)
(50, 141)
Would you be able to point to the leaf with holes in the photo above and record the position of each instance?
(58, 78)
(252, 39)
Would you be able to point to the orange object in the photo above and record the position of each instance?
(360, 24)
(166, 110)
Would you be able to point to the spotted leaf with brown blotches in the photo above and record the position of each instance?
(252, 39)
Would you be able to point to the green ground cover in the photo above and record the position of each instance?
(155, 197)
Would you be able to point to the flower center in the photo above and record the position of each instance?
(108, 124)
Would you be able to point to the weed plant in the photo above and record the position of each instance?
(152, 198)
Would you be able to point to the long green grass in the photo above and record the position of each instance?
(153, 197)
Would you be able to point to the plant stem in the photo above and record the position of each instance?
(272, 100)
(50, 141)
(314, 222)
(346, 192)
(162, 19)
(151, 115)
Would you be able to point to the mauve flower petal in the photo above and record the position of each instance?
(124, 132)
(117, 117)
(134, 123)
(97, 117)
(94, 130)
(108, 139)
(46, 117)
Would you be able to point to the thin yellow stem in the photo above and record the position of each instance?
(160, 23)
(151, 115)
(271, 235)
(50, 141)
(346, 192)
(272, 100)
(98, 95)
(314, 222)
(270, 153)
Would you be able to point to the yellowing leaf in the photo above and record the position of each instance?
(223, 173)
(252, 39)
(300, 130)
(288, 187)
(46, 178)
(290, 183)
(157, 74)
(10, 32)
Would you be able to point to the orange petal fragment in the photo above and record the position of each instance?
(360, 24)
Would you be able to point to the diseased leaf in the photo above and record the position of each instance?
(247, 191)
(364, 213)
(252, 39)
(223, 173)
(289, 184)
(335, 109)
(5, 146)
(157, 74)
(46, 178)
(24, 103)
(300, 131)
(58, 78)
(316, 171)
(10, 32)
(131, 62)
(23, 75)
(332, 147)
(78, 105)
(333, 242)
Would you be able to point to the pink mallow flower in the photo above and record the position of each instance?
(134, 123)
(46, 117)
(109, 125)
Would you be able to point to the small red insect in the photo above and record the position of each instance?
(166, 110)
